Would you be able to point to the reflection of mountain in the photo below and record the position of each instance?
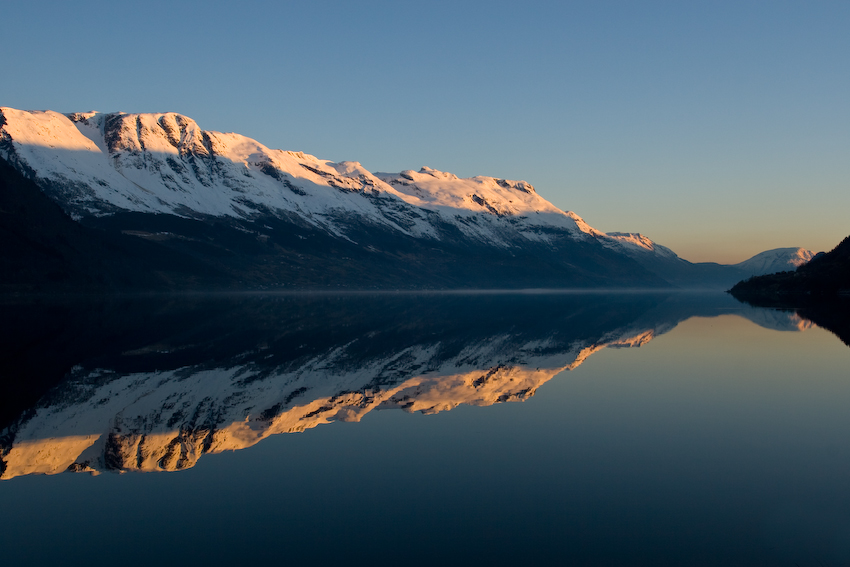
(833, 316)
(167, 420)
(147, 385)
(778, 320)
(797, 313)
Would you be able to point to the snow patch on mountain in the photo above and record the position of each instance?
(638, 240)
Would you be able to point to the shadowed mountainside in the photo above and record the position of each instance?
(44, 249)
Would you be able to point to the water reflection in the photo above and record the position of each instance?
(153, 384)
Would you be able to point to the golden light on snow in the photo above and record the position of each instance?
(50, 455)
(176, 448)
(46, 129)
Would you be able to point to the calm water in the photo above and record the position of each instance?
(498, 429)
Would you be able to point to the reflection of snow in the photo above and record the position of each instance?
(777, 320)
(166, 420)
(802, 323)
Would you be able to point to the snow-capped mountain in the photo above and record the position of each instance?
(285, 218)
(777, 260)
(98, 164)
(667, 264)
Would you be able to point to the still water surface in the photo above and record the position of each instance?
(500, 429)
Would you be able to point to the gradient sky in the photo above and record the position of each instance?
(719, 129)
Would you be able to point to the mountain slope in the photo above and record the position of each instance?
(272, 219)
(41, 248)
(265, 218)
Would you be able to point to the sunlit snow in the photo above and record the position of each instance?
(165, 163)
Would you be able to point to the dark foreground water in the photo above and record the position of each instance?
(497, 429)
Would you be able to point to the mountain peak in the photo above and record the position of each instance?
(437, 173)
(776, 260)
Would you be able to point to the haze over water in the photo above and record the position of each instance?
(588, 429)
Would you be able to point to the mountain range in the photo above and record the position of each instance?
(152, 201)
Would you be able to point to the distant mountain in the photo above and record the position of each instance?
(777, 260)
(664, 263)
(222, 210)
(825, 275)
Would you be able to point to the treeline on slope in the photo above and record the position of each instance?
(825, 276)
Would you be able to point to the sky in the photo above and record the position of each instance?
(718, 129)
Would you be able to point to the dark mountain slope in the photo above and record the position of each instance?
(43, 249)
(275, 253)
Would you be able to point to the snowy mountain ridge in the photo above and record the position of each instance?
(636, 243)
(98, 164)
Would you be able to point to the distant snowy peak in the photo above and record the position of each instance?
(98, 164)
(776, 260)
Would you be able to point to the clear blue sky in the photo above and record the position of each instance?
(719, 129)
